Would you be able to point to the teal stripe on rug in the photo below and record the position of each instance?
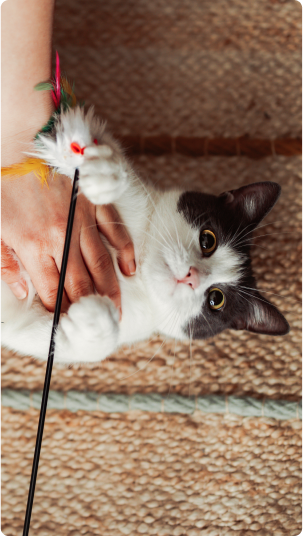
(116, 403)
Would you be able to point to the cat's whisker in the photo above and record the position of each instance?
(189, 245)
(177, 234)
(171, 316)
(255, 246)
(169, 246)
(148, 195)
(163, 246)
(258, 227)
(142, 368)
(251, 231)
(192, 225)
(192, 239)
(254, 296)
(252, 238)
(239, 234)
(232, 236)
(269, 292)
(190, 354)
(154, 205)
(240, 239)
(270, 234)
(248, 301)
(270, 223)
(204, 317)
(158, 231)
(172, 368)
(145, 232)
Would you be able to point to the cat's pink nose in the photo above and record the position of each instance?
(192, 279)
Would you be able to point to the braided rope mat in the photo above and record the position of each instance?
(192, 88)
(180, 475)
(187, 68)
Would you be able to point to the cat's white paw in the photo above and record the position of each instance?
(102, 177)
(89, 332)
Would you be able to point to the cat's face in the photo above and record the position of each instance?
(198, 266)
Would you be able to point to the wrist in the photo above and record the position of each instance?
(18, 133)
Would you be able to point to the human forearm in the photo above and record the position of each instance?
(26, 61)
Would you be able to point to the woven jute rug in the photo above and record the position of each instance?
(205, 95)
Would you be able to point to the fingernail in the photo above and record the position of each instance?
(19, 290)
(132, 267)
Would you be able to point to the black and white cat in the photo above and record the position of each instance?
(193, 278)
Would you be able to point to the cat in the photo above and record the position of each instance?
(194, 276)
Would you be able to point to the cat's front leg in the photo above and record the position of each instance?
(89, 331)
(103, 174)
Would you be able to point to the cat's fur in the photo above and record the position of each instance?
(165, 229)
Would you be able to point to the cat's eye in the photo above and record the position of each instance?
(208, 241)
(216, 299)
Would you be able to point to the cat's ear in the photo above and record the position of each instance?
(262, 317)
(254, 201)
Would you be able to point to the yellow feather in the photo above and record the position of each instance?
(30, 165)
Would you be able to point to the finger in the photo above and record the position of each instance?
(77, 279)
(99, 264)
(112, 227)
(45, 278)
(10, 272)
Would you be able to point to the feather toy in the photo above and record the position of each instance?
(64, 98)
(62, 93)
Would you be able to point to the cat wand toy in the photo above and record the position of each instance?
(50, 359)
(63, 98)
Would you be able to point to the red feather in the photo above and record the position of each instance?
(56, 92)
(58, 76)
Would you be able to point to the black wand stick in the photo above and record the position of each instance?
(50, 359)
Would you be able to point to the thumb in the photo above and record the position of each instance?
(10, 272)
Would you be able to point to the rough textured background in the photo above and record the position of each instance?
(167, 476)
(192, 69)
(186, 67)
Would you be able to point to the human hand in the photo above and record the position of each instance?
(34, 224)
(10, 272)
(34, 218)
